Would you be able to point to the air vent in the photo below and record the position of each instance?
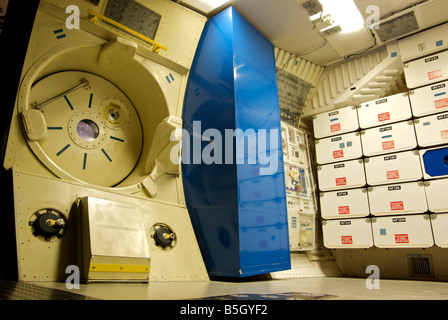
(397, 27)
(421, 266)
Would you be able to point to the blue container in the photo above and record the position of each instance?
(435, 162)
(232, 160)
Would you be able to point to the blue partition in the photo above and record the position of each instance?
(232, 160)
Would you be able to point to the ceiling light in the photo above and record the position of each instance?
(345, 14)
(205, 6)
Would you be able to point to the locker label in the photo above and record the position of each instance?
(338, 154)
(345, 223)
(381, 101)
(394, 188)
(335, 127)
(435, 74)
(341, 181)
(384, 116)
(441, 103)
(442, 117)
(394, 174)
(440, 86)
(390, 158)
(341, 194)
(396, 206)
(401, 238)
(338, 166)
(336, 139)
(333, 113)
(388, 145)
(394, 220)
(346, 239)
(432, 59)
(389, 128)
(344, 210)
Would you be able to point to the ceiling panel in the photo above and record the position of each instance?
(287, 25)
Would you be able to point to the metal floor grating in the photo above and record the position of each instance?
(13, 290)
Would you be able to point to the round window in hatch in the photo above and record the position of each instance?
(88, 129)
(94, 133)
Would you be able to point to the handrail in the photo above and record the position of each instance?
(93, 17)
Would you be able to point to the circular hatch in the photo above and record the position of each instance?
(94, 133)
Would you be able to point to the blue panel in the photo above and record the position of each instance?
(436, 162)
(237, 202)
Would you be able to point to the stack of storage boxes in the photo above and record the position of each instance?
(299, 189)
(373, 188)
(427, 78)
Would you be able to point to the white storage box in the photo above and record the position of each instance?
(427, 70)
(344, 175)
(435, 162)
(424, 43)
(393, 168)
(440, 231)
(436, 193)
(344, 204)
(429, 100)
(432, 130)
(335, 122)
(391, 138)
(384, 111)
(398, 199)
(339, 148)
(350, 233)
(408, 231)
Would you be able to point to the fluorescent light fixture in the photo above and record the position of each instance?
(205, 6)
(345, 14)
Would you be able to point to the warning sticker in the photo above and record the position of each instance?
(441, 103)
(341, 181)
(344, 209)
(391, 175)
(396, 206)
(338, 154)
(444, 135)
(401, 238)
(335, 127)
(346, 239)
(435, 74)
(388, 145)
(384, 116)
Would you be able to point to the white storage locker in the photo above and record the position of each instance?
(391, 138)
(343, 175)
(335, 122)
(398, 199)
(436, 193)
(406, 231)
(424, 43)
(350, 233)
(383, 111)
(435, 162)
(393, 168)
(429, 100)
(344, 204)
(432, 130)
(440, 231)
(339, 148)
(427, 70)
